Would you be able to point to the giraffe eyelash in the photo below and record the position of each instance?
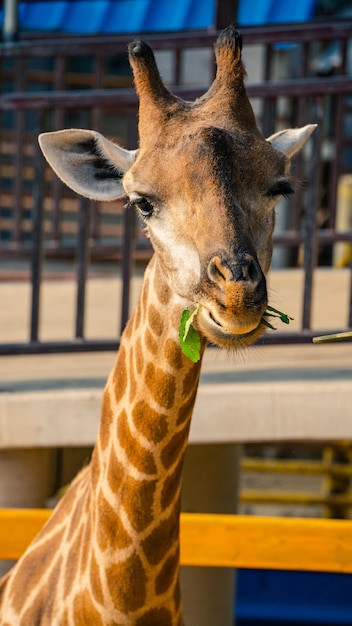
(282, 188)
(143, 205)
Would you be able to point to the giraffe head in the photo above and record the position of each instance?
(205, 182)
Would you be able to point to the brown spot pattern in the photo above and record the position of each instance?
(171, 486)
(145, 293)
(185, 410)
(171, 452)
(150, 343)
(158, 542)
(110, 531)
(156, 617)
(115, 472)
(95, 582)
(42, 604)
(173, 354)
(161, 385)
(149, 423)
(177, 595)
(167, 574)
(75, 520)
(137, 455)
(106, 421)
(137, 318)
(84, 611)
(86, 541)
(132, 378)
(127, 584)
(155, 320)
(95, 467)
(139, 356)
(190, 381)
(163, 291)
(71, 565)
(120, 374)
(137, 498)
(28, 572)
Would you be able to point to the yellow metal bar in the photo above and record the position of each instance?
(225, 540)
(295, 467)
(18, 527)
(264, 542)
(268, 496)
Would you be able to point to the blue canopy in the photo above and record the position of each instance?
(90, 17)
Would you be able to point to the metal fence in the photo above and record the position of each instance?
(85, 82)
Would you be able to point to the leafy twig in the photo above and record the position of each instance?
(271, 312)
(188, 336)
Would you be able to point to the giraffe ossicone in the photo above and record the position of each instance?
(205, 182)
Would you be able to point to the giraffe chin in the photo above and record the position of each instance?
(224, 337)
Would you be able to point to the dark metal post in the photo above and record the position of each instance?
(310, 238)
(129, 232)
(37, 239)
(127, 263)
(226, 13)
(82, 263)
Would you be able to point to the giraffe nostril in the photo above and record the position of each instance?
(251, 270)
(244, 268)
(218, 272)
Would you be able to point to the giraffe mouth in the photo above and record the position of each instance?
(224, 336)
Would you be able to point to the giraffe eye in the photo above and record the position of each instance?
(282, 188)
(144, 206)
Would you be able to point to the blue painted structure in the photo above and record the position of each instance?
(277, 598)
(89, 17)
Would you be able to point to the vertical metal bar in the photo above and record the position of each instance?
(269, 104)
(18, 174)
(349, 320)
(58, 115)
(37, 237)
(129, 219)
(336, 162)
(177, 65)
(226, 12)
(129, 234)
(18, 157)
(82, 264)
(310, 238)
(98, 125)
(300, 120)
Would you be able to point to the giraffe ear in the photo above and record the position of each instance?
(87, 162)
(291, 140)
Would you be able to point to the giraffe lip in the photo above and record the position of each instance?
(228, 331)
(226, 337)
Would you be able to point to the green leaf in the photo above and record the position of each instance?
(188, 336)
(266, 323)
(271, 312)
(283, 316)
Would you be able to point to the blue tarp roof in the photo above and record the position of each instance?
(131, 16)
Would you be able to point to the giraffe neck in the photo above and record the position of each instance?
(138, 459)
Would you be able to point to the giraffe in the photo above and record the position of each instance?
(205, 182)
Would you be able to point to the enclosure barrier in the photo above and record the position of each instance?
(316, 545)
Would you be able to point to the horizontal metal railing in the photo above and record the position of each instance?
(210, 540)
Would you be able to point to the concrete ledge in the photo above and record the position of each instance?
(272, 393)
